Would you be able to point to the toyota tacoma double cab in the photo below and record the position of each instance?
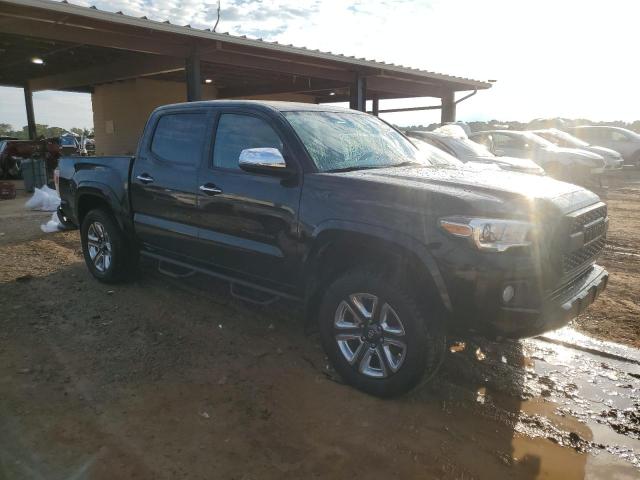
(388, 251)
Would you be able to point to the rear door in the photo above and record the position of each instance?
(248, 221)
(621, 142)
(164, 180)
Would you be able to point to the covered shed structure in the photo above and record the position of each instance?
(132, 65)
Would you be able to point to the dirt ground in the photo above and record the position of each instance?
(616, 315)
(167, 379)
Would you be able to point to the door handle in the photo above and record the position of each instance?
(145, 178)
(210, 189)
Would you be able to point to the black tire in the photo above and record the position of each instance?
(423, 337)
(122, 263)
(64, 221)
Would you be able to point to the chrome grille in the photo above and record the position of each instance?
(575, 259)
(594, 231)
(593, 226)
(588, 217)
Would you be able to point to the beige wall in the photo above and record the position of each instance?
(120, 110)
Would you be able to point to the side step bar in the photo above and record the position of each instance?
(221, 276)
(251, 295)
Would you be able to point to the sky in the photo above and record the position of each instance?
(568, 58)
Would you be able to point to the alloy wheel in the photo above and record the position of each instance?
(370, 335)
(99, 246)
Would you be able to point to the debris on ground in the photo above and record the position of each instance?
(45, 199)
(53, 225)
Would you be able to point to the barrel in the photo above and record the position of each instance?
(34, 173)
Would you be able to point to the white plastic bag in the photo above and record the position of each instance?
(52, 225)
(45, 199)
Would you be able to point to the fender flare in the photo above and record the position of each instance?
(390, 236)
(104, 192)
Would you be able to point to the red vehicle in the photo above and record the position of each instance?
(13, 152)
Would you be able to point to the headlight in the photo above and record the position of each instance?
(488, 234)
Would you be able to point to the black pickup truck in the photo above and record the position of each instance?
(339, 210)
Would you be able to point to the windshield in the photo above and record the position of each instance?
(465, 147)
(562, 138)
(67, 141)
(351, 141)
(538, 140)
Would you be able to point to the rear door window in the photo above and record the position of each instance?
(237, 132)
(179, 138)
(501, 141)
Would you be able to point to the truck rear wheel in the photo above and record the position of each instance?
(105, 248)
(377, 336)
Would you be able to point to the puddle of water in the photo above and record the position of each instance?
(567, 398)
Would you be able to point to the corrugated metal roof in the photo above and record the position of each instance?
(186, 30)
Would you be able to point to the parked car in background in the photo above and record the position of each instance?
(569, 164)
(438, 158)
(466, 150)
(69, 144)
(89, 147)
(612, 158)
(338, 210)
(14, 152)
(624, 141)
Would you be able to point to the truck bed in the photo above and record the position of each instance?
(108, 175)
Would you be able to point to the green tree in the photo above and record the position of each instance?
(5, 129)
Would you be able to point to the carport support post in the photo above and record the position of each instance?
(375, 104)
(31, 119)
(194, 85)
(448, 111)
(358, 93)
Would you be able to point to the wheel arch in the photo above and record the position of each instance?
(91, 196)
(340, 246)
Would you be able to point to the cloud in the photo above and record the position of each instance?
(570, 58)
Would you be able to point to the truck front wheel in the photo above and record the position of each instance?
(104, 247)
(377, 336)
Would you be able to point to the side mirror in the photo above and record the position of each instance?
(263, 160)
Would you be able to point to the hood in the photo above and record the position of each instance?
(484, 188)
(610, 156)
(516, 164)
(602, 151)
(583, 157)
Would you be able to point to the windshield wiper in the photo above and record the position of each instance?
(405, 164)
(370, 167)
(355, 168)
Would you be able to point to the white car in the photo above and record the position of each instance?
(470, 152)
(613, 159)
(569, 164)
(619, 139)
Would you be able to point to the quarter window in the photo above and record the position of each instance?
(179, 138)
(238, 132)
(506, 141)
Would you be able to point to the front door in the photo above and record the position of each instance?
(248, 221)
(505, 145)
(164, 181)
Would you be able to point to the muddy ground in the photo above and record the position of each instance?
(166, 379)
(616, 315)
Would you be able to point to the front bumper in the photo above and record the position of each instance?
(556, 310)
